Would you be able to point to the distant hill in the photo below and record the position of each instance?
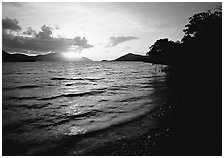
(131, 57)
(106, 60)
(57, 57)
(85, 59)
(49, 57)
(6, 57)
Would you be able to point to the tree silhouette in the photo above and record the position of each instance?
(200, 48)
(202, 43)
(195, 71)
(163, 51)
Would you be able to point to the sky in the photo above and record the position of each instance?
(96, 30)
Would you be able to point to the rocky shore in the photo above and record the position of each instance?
(188, 123)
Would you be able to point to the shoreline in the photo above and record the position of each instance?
(180, 125)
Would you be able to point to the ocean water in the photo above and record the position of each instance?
(65, 108)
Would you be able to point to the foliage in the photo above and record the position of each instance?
(160, 51)
(200, 49)
(200, 23)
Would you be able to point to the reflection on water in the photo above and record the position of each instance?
(75, 106)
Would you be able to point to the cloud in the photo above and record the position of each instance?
(38, 43)
(80, 43)
(120, 39)
(27, 44)
(34, 45)
(10, 24)
(45, 33)
(30, 31)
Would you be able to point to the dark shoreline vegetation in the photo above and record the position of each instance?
(190, 120)
(194, 81)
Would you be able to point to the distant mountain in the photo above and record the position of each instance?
(85, 59)
(58, 57)
(49, 57)
(131, 57)
(6, 57)
(106, 60)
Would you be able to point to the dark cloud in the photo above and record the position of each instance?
(10, 24)
(117, 40)
(35, 45)
(30, 31)
(81, 43)
(45, 33)
(38, 43)
(26, 44)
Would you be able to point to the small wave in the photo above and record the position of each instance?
(76, 79)
(93, 79)
(22, 98)
(20, 107)
(18, 73)
(103, 100)
(50, 85)
(27, 86)
(74, 95)
(121, 87)
(76, 130)
(58, 78)
(151, 77)
(85, 114)
(77, 83)
(131, 99)
(118, 87)
(69, 84)
(21, 87)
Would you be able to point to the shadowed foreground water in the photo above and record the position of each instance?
(60, 108)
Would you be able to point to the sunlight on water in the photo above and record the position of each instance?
(74, 130)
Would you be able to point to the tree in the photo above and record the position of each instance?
(200, 50)
(202, 42)
(204, 24)
(164, 51)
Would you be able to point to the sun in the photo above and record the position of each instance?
(72, 55)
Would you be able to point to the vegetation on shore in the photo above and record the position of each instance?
(195, 77)
(199, 51)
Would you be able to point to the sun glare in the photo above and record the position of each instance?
(72, 55)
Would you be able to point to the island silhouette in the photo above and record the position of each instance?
(7, 57)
